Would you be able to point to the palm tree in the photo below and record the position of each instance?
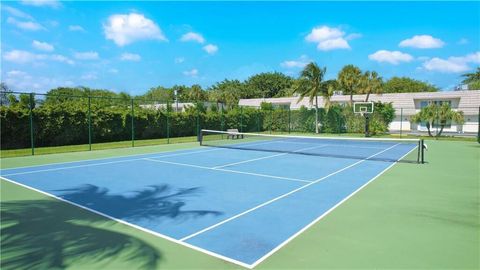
(349, 79)
(371, 83)
(310, 84)
(471, 77)
(196, 93)
(439, 114)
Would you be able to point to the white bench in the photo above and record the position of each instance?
(233, 134)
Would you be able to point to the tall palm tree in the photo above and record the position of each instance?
(310, 84)
(371, 83)
(349, 79)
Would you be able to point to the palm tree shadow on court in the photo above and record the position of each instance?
(155, 202)
(50, 234)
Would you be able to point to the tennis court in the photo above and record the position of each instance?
(239, 199)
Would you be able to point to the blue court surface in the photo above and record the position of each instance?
(238, 205)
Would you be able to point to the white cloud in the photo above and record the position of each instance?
(23, 57)
(191, 73)
(86, 55)
(210, 48)
(17, 13)
(462, 41)
(16, 73)
(353, 36)
(19, 57)
(74, 28)
(300, 63)
(422, 42)
(332, 44)
(89, 76)
(25, 25)
(330, 38)
(179, 60)
(324, 32)
(452, 64)
(42, 3)
(392, 57)
(191, 36)
(62, 59)
(113, 70)
(130, 57)
(124, 29)
(42, 46)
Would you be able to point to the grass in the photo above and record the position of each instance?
(126, 144)
(95, 146)
(411, 217)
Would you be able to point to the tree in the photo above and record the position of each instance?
(349, 79)
(228, 92)
(4, 89)
(267, 85)
(310, 84)
(196, 93)
(371, 83)
(471, 77)
(437, 114)
(407, 85)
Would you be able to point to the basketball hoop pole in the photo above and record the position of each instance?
(367, 124)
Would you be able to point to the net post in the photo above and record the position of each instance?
(200, 136)
(89, 123)
(32, 141)
(422, 151)
(133, 125)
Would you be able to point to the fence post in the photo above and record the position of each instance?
(259, 114)
(478, 134)
(198, 123)
(133, 125)
(401, 121)
(271, 120)
(289, 120)
(168, 123)
(89, 123)
(241, 119)
(32, 142)
(222, 121)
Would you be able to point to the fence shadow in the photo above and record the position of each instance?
(50, 234)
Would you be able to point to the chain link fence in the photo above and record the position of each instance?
(40, 123)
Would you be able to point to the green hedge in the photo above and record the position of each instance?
(57, 124)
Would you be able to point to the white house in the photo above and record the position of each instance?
(405, 105)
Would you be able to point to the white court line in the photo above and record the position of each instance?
(219, 256)
(264, 257)
(281, 196)
(225, 170)
(271, 156)
(160, 155)
(104, 163)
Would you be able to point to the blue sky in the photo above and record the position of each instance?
(133, 46)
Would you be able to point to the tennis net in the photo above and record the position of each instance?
(376, 149)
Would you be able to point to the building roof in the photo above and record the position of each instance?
(468, 101)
